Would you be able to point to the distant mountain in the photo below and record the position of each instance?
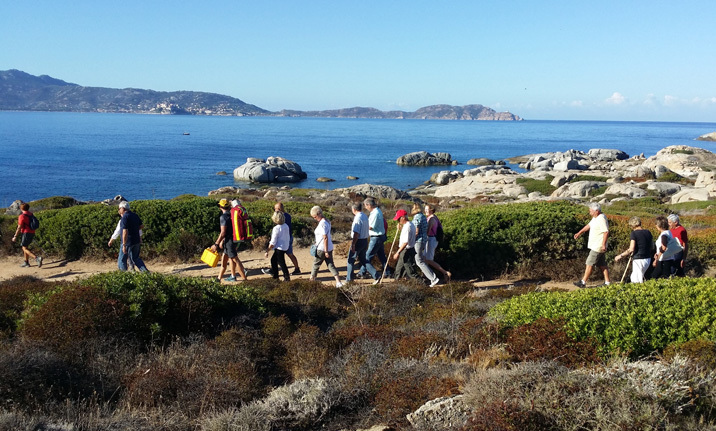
(434, 112)
(20, 91)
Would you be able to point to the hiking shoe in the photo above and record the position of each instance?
(266, 271)
(580, 284)
(38, 259)
(25, 264)
(296, 272)
(434, 282)
(339, 284)
(231, 278)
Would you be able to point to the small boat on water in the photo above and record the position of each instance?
(186, 133)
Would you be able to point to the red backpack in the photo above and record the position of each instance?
(241, 224)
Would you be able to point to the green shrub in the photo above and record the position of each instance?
(588, 178)
(532, 185)
(161, 305)
(488, 240)
(635, 319)
(13, 294)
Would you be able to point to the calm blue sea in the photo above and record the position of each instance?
(97, 156)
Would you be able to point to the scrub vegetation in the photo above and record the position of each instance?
(151, 351)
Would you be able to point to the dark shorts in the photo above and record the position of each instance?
(596, 259)
(231, 249)
(26, 239)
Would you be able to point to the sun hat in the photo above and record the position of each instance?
(399, 214)
(224, 203)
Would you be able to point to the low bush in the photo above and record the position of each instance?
(492, 239)
(635, 319)
(147, 305)
(701, 352)
(13, 294)
(546, 339)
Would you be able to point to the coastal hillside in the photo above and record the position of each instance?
(20, 91)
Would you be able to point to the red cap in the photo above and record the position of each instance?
(399, 214)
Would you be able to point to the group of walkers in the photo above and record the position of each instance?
(665, 258)
(418, 241)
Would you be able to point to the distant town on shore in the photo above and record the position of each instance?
(21, 91)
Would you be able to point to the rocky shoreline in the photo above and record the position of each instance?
(675, 174)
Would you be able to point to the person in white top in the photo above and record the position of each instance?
(406, 247)
(359, 240)
(117, 232)
(280, 241)
(667, 247)
(598, 229)
(324, 246)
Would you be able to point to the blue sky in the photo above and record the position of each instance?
(570, 60)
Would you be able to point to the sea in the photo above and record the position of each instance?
(96, 156)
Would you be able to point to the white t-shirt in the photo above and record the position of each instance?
(672, 246)
(280, 237)
(323, 229)
(597, 227)
(407, 235)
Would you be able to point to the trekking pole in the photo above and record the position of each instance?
(380, 280)
(625, 270)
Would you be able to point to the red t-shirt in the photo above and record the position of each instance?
(23, 220)
(680, 233)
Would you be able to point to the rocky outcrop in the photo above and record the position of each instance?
(682, 159)
(483, 161)
(372, 190)
(423, 158)
(446, 413)
(271, 170)
(606, 155)
(707, 137)
(580, 189)
(228, 190)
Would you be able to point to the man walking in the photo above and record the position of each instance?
(130, 225)
(598, 229)
(360, 233)
(226, 242)
(679, 232)
(27, 230)
(376, 240)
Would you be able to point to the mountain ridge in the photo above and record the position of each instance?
(21, 91)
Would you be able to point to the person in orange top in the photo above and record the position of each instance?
(23, 227)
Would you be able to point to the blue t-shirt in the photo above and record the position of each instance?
(132, 223)
(225, 220)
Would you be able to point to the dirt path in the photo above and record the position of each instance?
(253, 260)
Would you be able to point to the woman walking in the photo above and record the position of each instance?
(280, 241)
(639, 249)
(434, 228)
(324, 246)
(666, 249)
(421, 243)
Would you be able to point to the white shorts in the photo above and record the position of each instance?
(638, 269)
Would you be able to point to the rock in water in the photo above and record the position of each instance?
(423, 158)
(271, 170)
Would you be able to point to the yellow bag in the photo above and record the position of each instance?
(210, 258)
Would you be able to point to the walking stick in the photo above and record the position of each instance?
(380, 280)
(625, 270)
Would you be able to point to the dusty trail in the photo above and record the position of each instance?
(62, 270)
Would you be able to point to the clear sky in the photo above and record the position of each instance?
(557, 60)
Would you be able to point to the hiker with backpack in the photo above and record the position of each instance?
(377, 237)
(27, 224)
(435, 237)
(243, 231)
(115, 235)
(130, 225)
(226, 242)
